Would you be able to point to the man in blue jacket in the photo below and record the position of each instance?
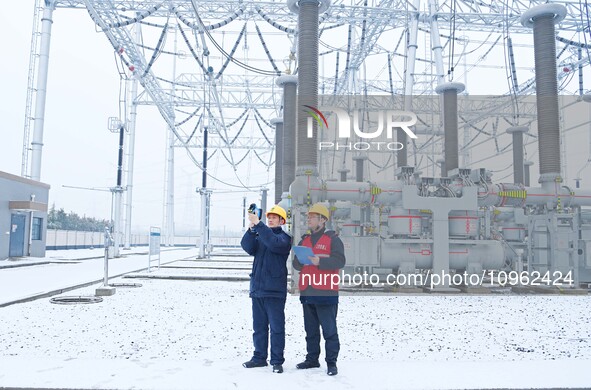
(270, 246)
(319, 289)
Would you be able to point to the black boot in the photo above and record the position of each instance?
(254, 363)
(308, 364)
(332, 369)
(277, 368)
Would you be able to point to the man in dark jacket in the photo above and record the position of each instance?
(270, 246)
(319, 290)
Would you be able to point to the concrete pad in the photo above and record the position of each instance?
(105, 291)
(404, 290)
(442, 290)
(475, 290)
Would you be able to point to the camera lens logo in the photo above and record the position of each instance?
(316, 114)
(387, 120)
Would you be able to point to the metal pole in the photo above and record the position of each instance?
(436, 42)
(207, 214)
(37, 143)
(150, 249)
(117, 200)
(108, 242)
(120, 156)
(169, 191)
(118, 192)
(33, 56)
(106, 277)
(204, 172)
(203, 217)
(580, 57)
(278, 122)
(131, 150)
(243, 212)
(411, 51)
(204, 198)
(169, 197)
(264, 191)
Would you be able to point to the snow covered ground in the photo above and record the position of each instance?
(182, 334)
(81, 266)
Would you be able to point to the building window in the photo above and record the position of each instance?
(37, 227)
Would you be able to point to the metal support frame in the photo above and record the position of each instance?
(131, 127)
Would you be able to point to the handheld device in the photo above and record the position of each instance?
(253, 209)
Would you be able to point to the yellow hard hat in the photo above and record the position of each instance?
(277, 210)
(321, 209)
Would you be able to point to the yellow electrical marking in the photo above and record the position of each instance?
(514, 194)
(376, 190)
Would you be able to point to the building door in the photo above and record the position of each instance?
(17, 235)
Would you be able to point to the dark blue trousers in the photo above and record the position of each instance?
(265, 312)
(325, 316)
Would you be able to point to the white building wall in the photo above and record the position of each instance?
(17, 188)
